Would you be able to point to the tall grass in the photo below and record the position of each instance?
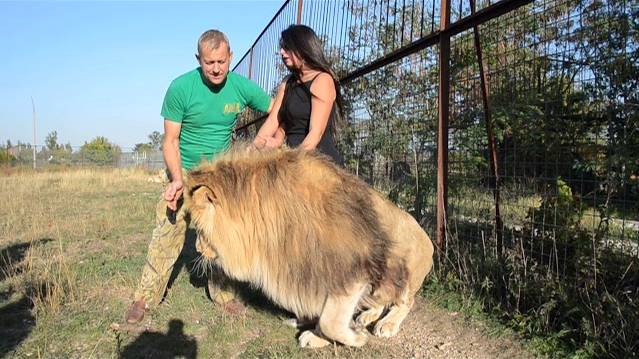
(54, 223)
(560, 277)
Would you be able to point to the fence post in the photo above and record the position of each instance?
(300, 4)
(442, 126)
(494, 168)
(250, 69)
(34, 133)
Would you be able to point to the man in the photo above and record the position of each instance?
(199, 110)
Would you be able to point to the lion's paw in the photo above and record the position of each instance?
(367, 317)
(386, 329)
(308, 339)
(359, 339)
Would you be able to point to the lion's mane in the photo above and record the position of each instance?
(292, 223)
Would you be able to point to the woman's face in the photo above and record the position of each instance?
(291, 60)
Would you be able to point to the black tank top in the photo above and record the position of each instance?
(295, 115)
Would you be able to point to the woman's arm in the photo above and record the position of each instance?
(270, 134)
(322, 100)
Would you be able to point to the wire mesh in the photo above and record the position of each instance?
(389, 140)
(21, 155)
(564, 104)
(262, 64)
(555, 237)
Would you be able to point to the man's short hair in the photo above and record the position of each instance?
(211, 39)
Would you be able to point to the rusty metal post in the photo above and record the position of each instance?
(442, 127)
(250, 69)
(300, 5)
(494, 169)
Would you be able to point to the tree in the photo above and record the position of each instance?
(100, 152)
(51, 141)
(6, 157)
(156, 139)
(55, 152)
(144, 148)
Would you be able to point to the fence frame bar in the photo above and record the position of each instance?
(443, 112)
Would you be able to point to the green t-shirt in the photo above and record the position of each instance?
(208, 113)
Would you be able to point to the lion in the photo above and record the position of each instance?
(315, 239)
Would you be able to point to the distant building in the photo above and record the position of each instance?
(14, 150)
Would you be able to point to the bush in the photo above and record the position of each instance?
(6, 158)
(100, 152)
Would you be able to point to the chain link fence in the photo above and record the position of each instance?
(23, 155)
(541, 165)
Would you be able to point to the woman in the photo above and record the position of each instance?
(307, 104)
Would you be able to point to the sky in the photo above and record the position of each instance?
(101, 68)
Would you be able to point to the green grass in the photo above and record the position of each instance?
(83, 234)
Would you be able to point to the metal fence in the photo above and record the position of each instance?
(526, 170)
(114, 156)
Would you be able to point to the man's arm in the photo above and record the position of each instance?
(171, 151)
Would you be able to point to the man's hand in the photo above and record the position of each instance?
(259, 143)
(272, 142)
(172, 193)
(267, 143)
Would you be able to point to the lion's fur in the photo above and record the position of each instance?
(302, 229)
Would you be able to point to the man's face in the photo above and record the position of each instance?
(215, 63)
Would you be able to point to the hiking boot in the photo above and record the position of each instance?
(136, 312)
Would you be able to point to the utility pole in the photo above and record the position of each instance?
(34, 133)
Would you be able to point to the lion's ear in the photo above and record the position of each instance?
(204, 195)
(199, 191)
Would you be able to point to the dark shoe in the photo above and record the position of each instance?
(136, 312)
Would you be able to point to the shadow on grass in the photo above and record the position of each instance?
(173, 344)
(12, 256)
(252, 297)
(258, 301)
(186, 260)
(16, 318)
(16, 323)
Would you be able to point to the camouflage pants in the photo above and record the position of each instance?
(165, 247)
(166, 244)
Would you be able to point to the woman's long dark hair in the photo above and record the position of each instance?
(303, 42)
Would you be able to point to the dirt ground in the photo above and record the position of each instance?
(432, 332)
(428, 332)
